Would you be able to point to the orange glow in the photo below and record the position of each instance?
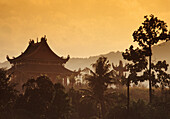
(80, 28)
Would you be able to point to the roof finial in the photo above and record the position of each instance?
(37, 39)
(31, 41)
(43, 38)
(7, 57)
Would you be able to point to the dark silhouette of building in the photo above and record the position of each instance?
(38, 59)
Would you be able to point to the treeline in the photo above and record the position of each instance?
(103, 97)
(41, 99)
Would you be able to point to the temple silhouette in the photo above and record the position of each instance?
(38, 59)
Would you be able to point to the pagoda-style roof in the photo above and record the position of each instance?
(38, 52)
(46, 69)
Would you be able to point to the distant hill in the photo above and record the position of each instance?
(76, 63)
(160, 52)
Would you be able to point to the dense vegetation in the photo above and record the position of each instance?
(44, 100)
(101, 97)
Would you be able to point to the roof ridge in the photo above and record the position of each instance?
(39, 51)
(39, 45)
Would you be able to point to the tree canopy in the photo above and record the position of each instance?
(151, 32)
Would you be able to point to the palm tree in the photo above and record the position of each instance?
(98, 82)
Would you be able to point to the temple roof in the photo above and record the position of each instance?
(36, 68)
(39, 51)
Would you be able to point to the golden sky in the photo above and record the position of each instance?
(80, 28)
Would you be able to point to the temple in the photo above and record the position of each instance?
(38, 59)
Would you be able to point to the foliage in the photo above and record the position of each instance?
(141, 110)
(162, 78)
(138, 62)
(8, 94)
(81, 108)
(43, 99)
(60, 106)
(151, 32)
(98, 81)
(118, 110)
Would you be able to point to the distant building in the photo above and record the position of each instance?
(38, 59)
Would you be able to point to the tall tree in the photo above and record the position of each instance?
(98, 81)
(151, 32)
(138, 63)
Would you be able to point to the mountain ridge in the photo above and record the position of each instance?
(160, 52)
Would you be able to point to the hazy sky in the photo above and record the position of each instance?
(80, 28)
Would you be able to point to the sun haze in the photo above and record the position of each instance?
(80, 28)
